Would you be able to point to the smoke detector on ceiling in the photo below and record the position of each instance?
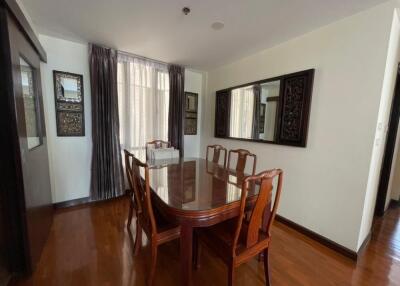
(186, 10)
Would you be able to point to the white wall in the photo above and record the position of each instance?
(70, 157)
(325, 183)
(194, 83)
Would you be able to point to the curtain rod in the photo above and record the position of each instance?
(135, 56)
(141, 57)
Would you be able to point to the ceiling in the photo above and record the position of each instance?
(158, 29)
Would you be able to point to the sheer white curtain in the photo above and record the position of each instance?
(143, 101)
(242, 108)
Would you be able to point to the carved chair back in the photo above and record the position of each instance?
(249, 230)
(131, 191)
(158, 144)
(128, 168)
(128, 171)
(242, 155)
(216, 153)
(144, 208)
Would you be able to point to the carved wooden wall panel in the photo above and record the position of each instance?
(295, 109)
(222, 114)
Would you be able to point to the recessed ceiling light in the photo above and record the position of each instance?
(217, 26)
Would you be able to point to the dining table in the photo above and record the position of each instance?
(195, 193)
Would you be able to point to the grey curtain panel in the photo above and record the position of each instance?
(176, 106)
(256, 113)
(107, 175)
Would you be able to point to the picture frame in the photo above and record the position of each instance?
(191, 113)
(69, 103)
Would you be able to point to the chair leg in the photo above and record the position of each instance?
(266, 268)
(196, 251)
(130, 215)
(231, 275)
(153, 264)
(138, 239)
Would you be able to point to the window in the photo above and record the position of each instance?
(143, 99)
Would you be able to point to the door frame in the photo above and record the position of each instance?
(390, 145)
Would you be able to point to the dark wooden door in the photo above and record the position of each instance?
(27, 105)
(386, 167)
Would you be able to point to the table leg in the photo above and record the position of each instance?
(186, 254)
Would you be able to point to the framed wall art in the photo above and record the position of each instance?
(69, 103)
(191, 103)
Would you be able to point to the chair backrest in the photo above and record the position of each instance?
(242, 155)
(158, 144)
(250, 231)
(128, 169)
(141, 189)
(216, 153)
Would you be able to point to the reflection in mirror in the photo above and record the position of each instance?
(242, 110)
(253, 111)
(191, 103)
(69, 88)
(30, 107)
(233, 193)
(160, 179)
(268, 108)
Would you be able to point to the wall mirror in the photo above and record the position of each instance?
(68, 87)
(273, 110)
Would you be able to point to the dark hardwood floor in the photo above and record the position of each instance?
(90, 245)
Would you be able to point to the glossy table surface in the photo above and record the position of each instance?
(194, 184)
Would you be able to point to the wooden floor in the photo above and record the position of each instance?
(90, 246)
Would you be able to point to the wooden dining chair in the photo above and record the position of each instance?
(216, 153)
(239, 239)
(242, 155)
(157, 229)
(157, 144)
(130, 192)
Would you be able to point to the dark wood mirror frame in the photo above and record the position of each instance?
(293, 111)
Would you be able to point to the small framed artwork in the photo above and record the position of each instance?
(69, 103)
(191, 106)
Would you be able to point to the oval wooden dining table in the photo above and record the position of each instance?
(195, 193)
